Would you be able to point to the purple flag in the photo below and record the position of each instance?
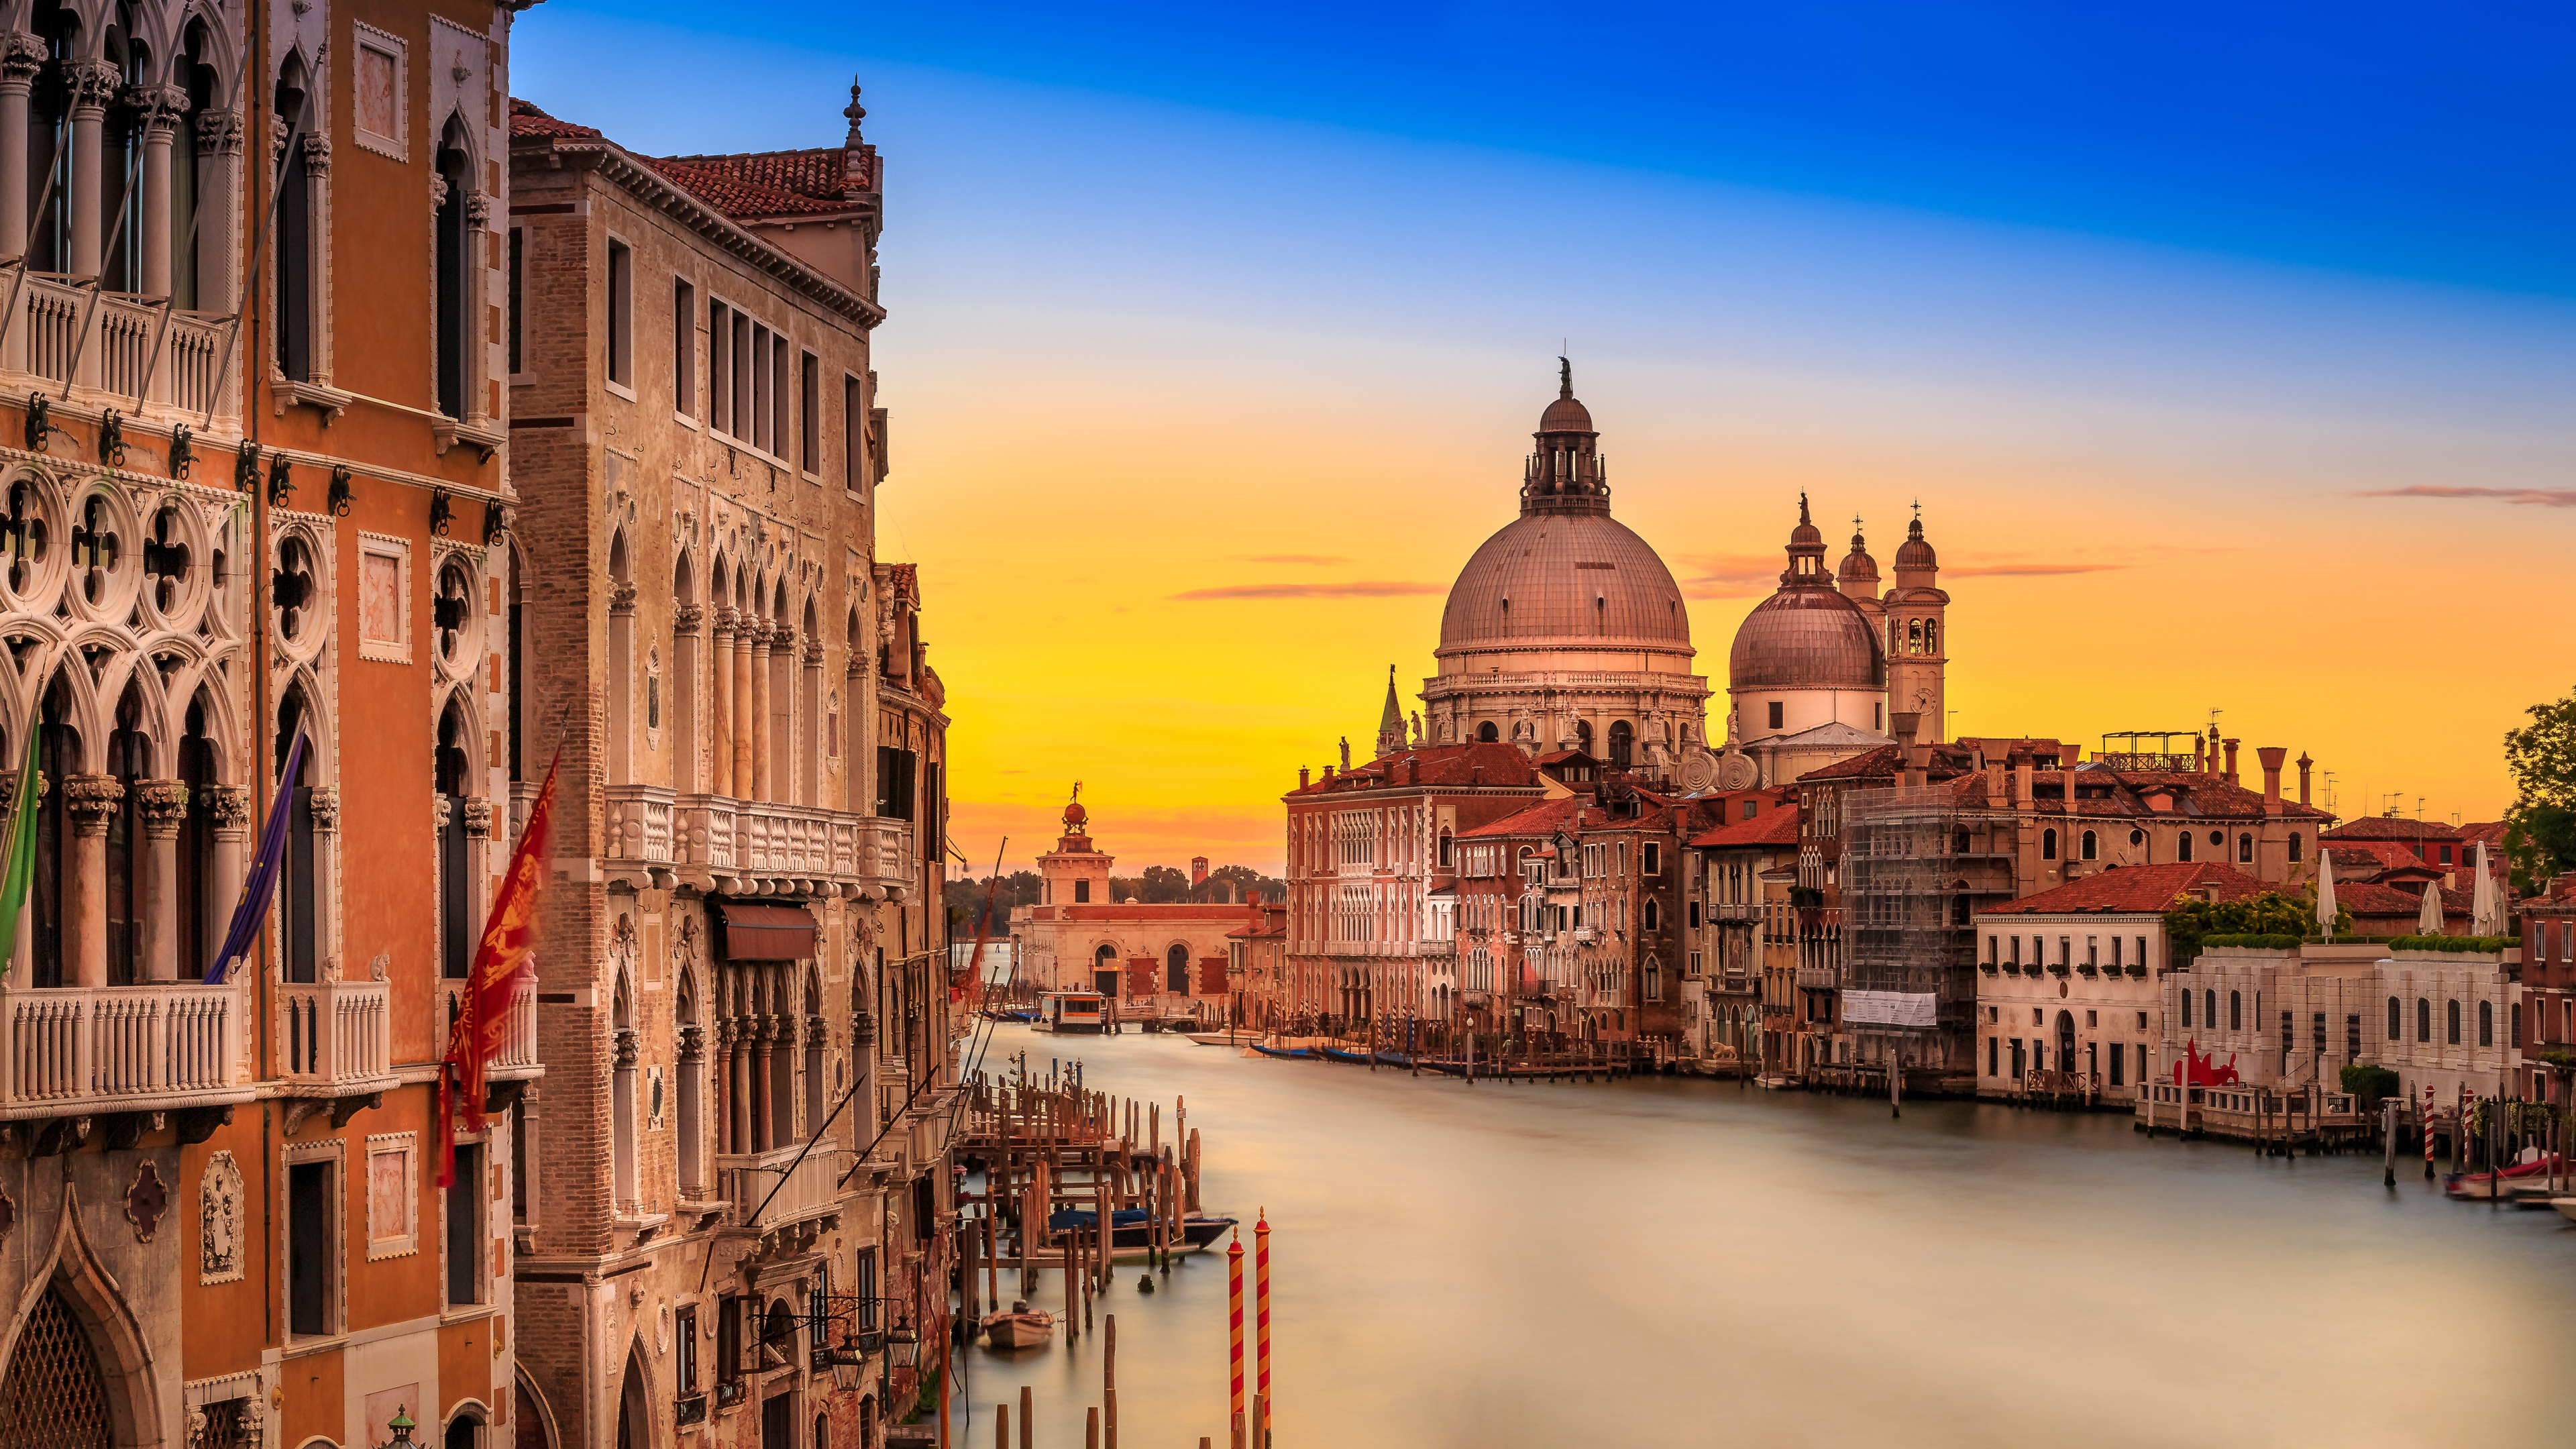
(261, 884)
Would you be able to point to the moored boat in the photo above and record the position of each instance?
(1223, 1038)
(1357, 1059)
(1021, 1327)
(1297, 1053)
(2497, 1184)
(1131, 1230)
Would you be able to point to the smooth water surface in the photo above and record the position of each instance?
(1677, 1262)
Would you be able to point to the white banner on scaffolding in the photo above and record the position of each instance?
(1887, 1008)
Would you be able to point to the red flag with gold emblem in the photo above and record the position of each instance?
(503, 960)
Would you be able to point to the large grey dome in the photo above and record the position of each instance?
(1806, 638)
(1556, 581)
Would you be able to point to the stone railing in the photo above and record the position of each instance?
(518, 1054)
(119, 1048)
(107, 347)
(743, 845)
(811, 1190)
(1817, 978)
(337, 1033)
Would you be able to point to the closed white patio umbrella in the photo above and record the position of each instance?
(2325, 894)
(2428, 922)
(2486, 911)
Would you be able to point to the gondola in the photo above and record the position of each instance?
(1298, 1053)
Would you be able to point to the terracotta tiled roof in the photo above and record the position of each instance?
(2390, 904)
(527, 120)
(2208, 797)
(1880, 763)
(2392, 827)
(1775, 825)
(2136, 890)
(1445, 765)
(764, 183)
(1183, 910)
(1540, 819)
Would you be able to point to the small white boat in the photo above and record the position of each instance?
(1022, 1327)
(1071, 1012)
(1225, 1038)
(2566, 1207)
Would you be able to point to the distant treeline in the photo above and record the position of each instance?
(1159, 885)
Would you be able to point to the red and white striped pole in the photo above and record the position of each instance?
(1261, 1326)
(1234, 1300)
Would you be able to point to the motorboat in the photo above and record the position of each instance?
(2498, 1184)
(1071, 1012)
(2566, 1207)
(1021, 1327)
(1131, 1230)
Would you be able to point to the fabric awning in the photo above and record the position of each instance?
(766, 933)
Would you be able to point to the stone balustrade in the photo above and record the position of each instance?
(120, 1049)
(337, 1034)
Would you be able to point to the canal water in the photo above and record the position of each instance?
(1679, 1262)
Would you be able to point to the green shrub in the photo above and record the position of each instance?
(2252, 943)
(2370, 1083)
(2457, 945)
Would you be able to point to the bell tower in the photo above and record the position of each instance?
(1918, 635)
(1076, 872)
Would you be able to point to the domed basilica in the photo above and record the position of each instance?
(1565, 631)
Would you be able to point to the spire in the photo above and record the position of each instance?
(1858, 574)
(1390, 720)
(856, 113)
(1915, 555)
(1806, 551)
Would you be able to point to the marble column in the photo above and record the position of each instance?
(762, 784)
(227, 810)
(686, 746)
(737, 1087)
(159, 114)
(759, 1065)
(219, 149)
(163, 805)
(91, 801)
(21, 56)
(720, 706)
(326, 849)
(93, 83)
(746, 629)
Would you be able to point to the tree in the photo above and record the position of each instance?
(965, 899)
(2540, 828)
(1165, 886)
(2269, 914)
(1242, 881)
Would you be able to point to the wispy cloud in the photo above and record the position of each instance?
(1291, 558)
(2534, 497)
(1355, 589)
(2028, 570)
(1729, 576)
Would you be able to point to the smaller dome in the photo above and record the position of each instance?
(1806, 638)
(1915, 555)
(1857, 566)
(1565, 415)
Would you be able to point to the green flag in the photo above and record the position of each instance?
(18, 852)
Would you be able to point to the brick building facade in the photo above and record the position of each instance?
(740, 1161)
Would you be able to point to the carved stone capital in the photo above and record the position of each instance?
(439, 814)
(693, 1043)
(621, 600)
(438, 189)
(164, 803)
(727, 623)
(9, 791)
(21, 56)
(157, 108)
(813, 651)
(626, 1048)
(227, 807)
(91, 799)
(92, 84)
(478, 817)
(478, 209)
(317, 154)
(219, 133)
(326, 807)
(686, 619)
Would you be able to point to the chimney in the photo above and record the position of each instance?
(1328, 774)
(1302, 780)
(2231, 761)
(1413, 772)
(2199, 753)
(1475, 775)
(2272, 756)
(2024, 790)
(2304, 763)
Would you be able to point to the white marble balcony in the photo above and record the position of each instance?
(337, 1035)
(659, 838)
(91, 1050)
(811, 1188)
(115, 349)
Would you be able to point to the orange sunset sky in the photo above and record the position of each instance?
(1150, 353)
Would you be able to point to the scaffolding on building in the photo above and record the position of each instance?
(1918, 863)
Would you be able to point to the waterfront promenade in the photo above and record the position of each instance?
(1666, 1261)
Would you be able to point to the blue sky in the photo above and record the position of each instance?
(2421, 141)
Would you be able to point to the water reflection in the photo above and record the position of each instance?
(1681, 1262)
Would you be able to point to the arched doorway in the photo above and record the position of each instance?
(54, 1394)
(1176, 969)
(634, 1411)
(2066, 1041)
(1104, 971)
(1623, 744)
(1487, 734)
